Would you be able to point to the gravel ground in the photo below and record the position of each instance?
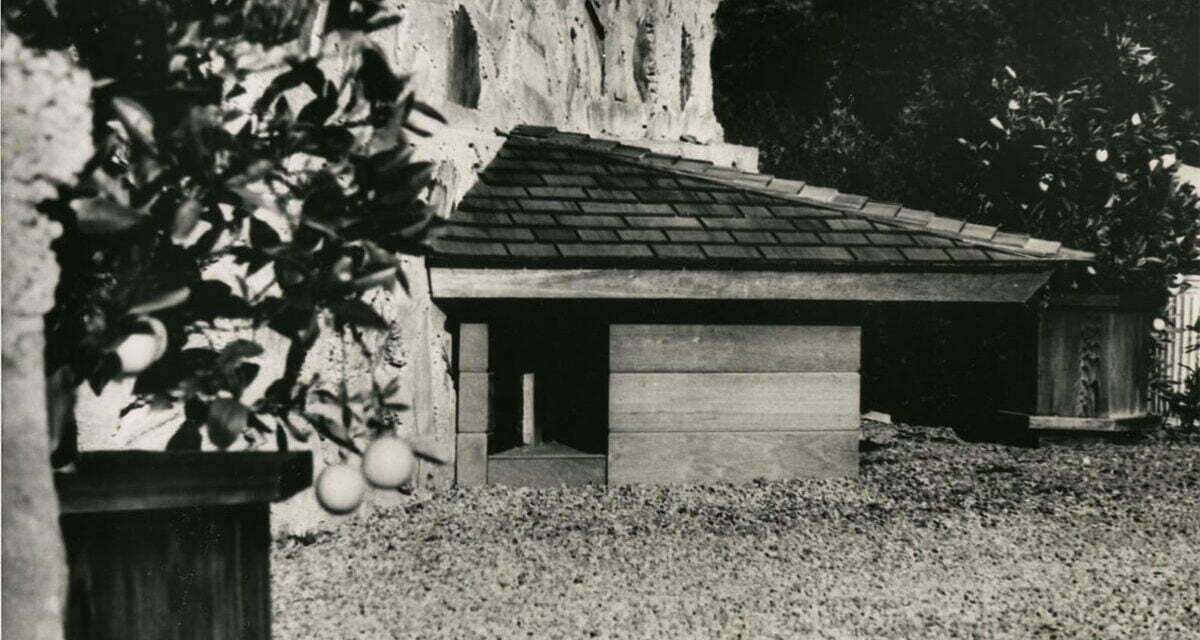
(936, 539)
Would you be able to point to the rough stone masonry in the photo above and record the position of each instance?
(635, 70)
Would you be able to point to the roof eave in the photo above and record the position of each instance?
(463, 283)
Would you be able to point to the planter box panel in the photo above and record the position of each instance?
(138, 480)
(702, 457)
(733, 348)
(547, 472)
(170, 574)
(733, 401)
(1091, 425)
(1091, 363)
(1124, 367)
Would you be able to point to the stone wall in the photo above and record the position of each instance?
(614, 68)
(46, 139)
(636, 70)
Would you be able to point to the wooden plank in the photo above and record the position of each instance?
(642, 284)
(547, 471)
(142, 480)
(733, 401)
(702, 457)
(473, 347)
(1060, 335)
(470, 462)
(733, 348)
(1123, 366)
(1104, 301)
(476, 408)
(1067, 423)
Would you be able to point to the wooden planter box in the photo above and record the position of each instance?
(1092, 361)
(173, 545)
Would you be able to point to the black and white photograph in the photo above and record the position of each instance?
(616, 319)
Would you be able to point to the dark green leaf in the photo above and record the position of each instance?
(408, 184)
(238, 350)
(107, 369)
(297, 433)
(428, 111)
(330, 429)
(383, 277)
(318, 110)
(262, 236)
(227, 419)
(358, 313)
(378, 82)
(138, 122)
(213, 299)
(186, 437)
(98, 216)
(186, 217)
(257, 424)
(246, 373)
(160, 301)
(306, 73)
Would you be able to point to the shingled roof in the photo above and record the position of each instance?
(556, 199)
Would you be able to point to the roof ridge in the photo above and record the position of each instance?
(801, 192)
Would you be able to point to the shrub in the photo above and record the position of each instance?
(1092, 166)
(224, 136)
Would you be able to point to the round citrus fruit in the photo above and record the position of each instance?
(140, 349)
(388, 462)
(227, 419)
(340, 488)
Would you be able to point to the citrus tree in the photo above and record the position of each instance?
(273, 138)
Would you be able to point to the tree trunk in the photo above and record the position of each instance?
(46, 140)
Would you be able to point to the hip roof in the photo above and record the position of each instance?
(552, 199)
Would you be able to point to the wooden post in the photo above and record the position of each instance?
(531, 433)
(476, 411)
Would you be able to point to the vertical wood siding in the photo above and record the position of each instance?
(196, 573)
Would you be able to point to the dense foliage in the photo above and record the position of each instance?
(1064, 120)
(870, 98)
(253, 170)
(1091, 166)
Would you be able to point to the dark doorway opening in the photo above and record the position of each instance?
(551, 390)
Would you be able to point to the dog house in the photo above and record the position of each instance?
(629, 317)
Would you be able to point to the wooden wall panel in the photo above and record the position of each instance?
(473, 347)
(475, 403)
(470, 463)
(733, 401)
(733, 348)
(685, 457)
